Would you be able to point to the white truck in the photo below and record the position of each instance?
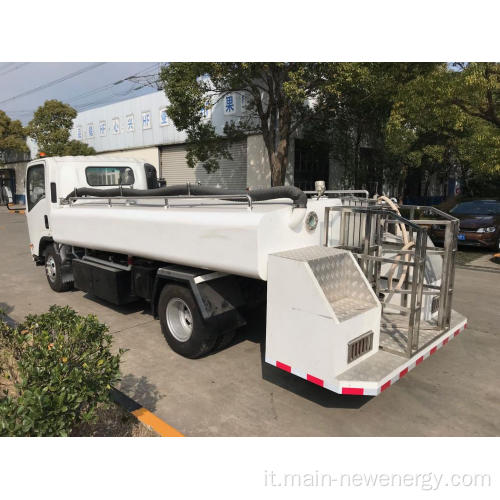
(356, 293)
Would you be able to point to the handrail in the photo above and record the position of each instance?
(109, 200)
(362, 231)
(342, 191)
(442, 214)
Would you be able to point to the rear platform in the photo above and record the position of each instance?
(379, 371)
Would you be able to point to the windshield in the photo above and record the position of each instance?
(480, 207)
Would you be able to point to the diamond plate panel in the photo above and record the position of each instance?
(342, 284)
(339, 277)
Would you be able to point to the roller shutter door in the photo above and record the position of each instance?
(231, 173)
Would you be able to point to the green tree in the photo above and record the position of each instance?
(280, 98)
(447, 119)
(356, 106)
(51, 128)
(12, 135)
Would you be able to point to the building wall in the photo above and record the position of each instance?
(149, 155)
(258, 169)
(142, 122)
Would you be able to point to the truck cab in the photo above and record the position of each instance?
(48, 180)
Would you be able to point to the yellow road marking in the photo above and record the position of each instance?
(157, 424)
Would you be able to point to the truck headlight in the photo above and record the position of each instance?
(490, 229)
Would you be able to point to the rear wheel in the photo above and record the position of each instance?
(54, 271)
(181, 323)
(224, 340)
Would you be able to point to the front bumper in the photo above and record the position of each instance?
(473, 239)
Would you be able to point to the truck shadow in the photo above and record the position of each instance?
(254, 331)
(141, 306)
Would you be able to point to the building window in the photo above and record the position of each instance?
(102, 128)
(130, 123)
(116, 125)
(79, 133)
(229, 104)
(146, 120)
(163, 117)
(109, 176)
(90, 130)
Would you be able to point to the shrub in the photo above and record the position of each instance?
(60, 367)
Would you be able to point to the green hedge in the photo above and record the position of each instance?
(61, 368)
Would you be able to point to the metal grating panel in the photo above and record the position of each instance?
(359, 346)
(232, 174)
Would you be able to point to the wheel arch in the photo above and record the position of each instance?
(45, 242)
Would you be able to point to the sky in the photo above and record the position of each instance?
(84, 85)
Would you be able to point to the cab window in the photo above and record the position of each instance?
(109, 176)
(35, 185)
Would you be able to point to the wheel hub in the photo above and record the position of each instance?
(179, 319)
(50, 268)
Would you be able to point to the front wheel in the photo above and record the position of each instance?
(181, 323)
(54, 271)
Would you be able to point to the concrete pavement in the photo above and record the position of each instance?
(234, 393)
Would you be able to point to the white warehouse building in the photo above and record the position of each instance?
(140, 128)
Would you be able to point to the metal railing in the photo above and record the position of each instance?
(164, 201)
(370, 232)
(339, 193)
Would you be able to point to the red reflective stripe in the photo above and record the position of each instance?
(283, 366)
(456, 332)
(445, 341)
(385, 386)
(465, 326)
(352, 390)
(315, 380)
(402, 373)
(434, 349)
(419, 360)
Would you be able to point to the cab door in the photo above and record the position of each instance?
(37, 205)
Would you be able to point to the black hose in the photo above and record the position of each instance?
(298, 197)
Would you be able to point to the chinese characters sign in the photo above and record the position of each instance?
(163, 117)
(116, 125)
(130, 123)
(229, 104)
(146, 120)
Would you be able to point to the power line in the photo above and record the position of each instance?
(13, 69)
(97, 90)
(54, 82)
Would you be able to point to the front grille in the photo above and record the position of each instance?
(359, 346)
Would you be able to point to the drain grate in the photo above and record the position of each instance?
(359, 346)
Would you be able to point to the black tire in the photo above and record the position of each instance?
(201, 339)
(224, 340)
(54, 271)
